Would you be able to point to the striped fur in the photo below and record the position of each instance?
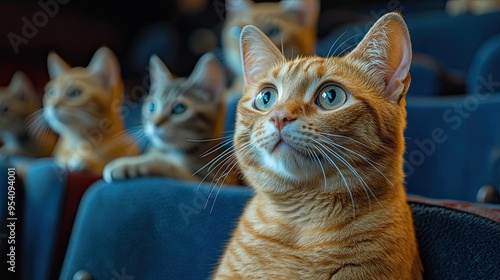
(183, 144)
(83, 106)
(330, 201)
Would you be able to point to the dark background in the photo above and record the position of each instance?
(135, 30)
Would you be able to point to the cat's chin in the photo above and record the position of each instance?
(289, 162)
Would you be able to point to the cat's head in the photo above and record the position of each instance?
(179, 109)
(290, 25)
(17, 101)
(79, 98)
(331, 122)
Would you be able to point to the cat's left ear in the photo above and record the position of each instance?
(258, 53)
(159, 73)
(209, 74)
(105, 66)
(306, 11)
(20, 85)
(56, 65)
(386, 50)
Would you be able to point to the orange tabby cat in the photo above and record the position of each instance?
(83, 106)
(17, 102)
(290, 24)
(321, 142)
(179, 116)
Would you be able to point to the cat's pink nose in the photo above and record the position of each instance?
(280, 118)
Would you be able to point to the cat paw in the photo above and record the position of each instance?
(122, 169)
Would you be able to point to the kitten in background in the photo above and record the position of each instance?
(18, 101)
(290, 24)
(183, 119)
(321, 140)
(475, 7)
(83, 106)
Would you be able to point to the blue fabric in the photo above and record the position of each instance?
(44, 192)
(454, 39)
(425, 81)
(152, 228)
(136, 229)
(484, 73)
(452, 145)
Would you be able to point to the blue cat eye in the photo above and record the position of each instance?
(178, 108)
(331, 97)
(151, 106)
(265, 99)
(74, 92)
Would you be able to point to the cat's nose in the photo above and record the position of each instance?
(280, 118)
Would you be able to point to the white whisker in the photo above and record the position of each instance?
(320, 165)
(37, 125)
(335, 42)
(371, 163)
(341, 175)
(216, 147)
(347, 49)
(354, 36)
(366, 188)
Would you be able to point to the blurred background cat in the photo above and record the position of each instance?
(290, 24)
(183, 119)
(17, 102)
(83, 105)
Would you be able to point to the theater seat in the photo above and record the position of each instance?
(160, 229)
(52, 197)
(452, 145)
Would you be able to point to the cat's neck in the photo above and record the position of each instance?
(308, 208)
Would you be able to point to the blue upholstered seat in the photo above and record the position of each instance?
(160, 229)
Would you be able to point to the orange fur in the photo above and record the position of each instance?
(330, 201)
(18, 102)
(83, 106)
(291, 24)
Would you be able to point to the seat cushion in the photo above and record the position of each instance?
(153, 228)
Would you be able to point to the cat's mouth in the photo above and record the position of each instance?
(283, 146)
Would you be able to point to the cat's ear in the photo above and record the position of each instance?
(237, 6)
(20, 86)
(159, 73)
(56, 65)
(105, 66)
(258, 53)
(306, 11)
(386, 49)
(209, 74)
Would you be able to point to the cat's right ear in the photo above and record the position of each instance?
(20, 85)
(158, 72)
(258, 53)
(237, 6)
(386, 51)
(56, 65)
